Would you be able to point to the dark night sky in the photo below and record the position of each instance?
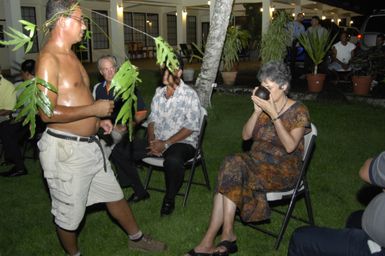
(359, 6)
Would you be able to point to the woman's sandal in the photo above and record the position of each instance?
(192, 252)
(231, 247)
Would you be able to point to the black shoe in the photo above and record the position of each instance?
(134, 198)
(167, 207)
(20, 172)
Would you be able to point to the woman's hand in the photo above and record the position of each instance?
(256, 107)
(268, 106)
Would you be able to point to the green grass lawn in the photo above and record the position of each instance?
(347, 135)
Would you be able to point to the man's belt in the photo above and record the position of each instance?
(90, 139)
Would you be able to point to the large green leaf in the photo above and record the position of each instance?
(165, 55)
(18, 39)
(31, 99)
(123, 85)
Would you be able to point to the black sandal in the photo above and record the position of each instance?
(192, 252)
(231, 247)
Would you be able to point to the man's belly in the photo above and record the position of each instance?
(86, 127)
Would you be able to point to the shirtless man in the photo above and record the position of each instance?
(76, 170)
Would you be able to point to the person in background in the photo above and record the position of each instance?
(365, 239)
(10, 131)
(297, 29)
(342, 53)
(124, 153)
(316, 26)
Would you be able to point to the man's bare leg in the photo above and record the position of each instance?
(68, 240)
(123, 214)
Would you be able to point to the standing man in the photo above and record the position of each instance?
(173, 129)
(316, 26)
(124, 153)
(74, 164)
(297, 29)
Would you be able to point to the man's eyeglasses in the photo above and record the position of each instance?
(80, 19)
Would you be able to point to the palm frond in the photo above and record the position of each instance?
(31, 99)
(165, 55)
(316, 45)
(123, 85)
(19, 39)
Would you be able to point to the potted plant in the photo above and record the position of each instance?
(361, 69)
(236, 40)
(316, 45)
(276, 39)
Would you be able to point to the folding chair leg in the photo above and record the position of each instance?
(285, 221)
(308, 207)
(148, 177)
(189, 182)
(205, 173)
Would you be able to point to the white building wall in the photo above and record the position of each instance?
(162, 11)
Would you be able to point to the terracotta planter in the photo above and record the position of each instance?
(229, 77)
(361, 84)
(315, 82)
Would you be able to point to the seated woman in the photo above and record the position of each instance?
(277, 127)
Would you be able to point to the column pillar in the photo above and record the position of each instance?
(117, 31)
(12, 17)
(181, 24)
(266, 15)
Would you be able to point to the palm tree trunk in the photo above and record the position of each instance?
(213, 50)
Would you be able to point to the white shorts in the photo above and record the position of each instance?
(76, 178)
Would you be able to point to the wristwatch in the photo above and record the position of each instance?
(166, 145)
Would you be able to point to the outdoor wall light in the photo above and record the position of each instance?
(208, 2)
(184, 12)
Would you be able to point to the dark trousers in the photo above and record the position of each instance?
(174, 158)
(316, 241)
(10, 135)
(124, 156)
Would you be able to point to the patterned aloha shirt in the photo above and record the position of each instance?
(182, 110)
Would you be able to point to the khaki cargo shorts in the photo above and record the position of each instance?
(76, 178)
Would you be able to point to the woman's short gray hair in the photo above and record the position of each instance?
(277, 72)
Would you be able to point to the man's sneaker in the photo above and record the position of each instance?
(147, 244)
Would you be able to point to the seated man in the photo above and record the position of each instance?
(173, 130)
(10, 132)
(342, 52)
(377, 59)
(124, 154)
(370, 240)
